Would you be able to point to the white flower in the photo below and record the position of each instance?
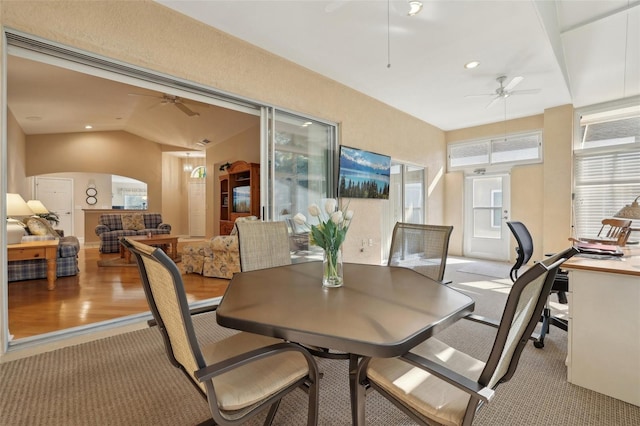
(336, 217)
(300, 219)
(314, 210)
(348, 215)
(330, 205)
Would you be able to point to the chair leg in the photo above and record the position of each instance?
(546, 314)
(272, 413)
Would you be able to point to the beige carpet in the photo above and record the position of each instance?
(127, 380)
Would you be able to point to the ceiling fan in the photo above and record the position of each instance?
(504, 92)
(177, 101)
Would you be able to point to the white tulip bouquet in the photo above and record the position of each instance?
(329, 234)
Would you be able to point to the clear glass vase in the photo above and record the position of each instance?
(332, 268)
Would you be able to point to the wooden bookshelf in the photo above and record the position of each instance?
(239, 194)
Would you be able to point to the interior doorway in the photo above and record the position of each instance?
(197, 209)
(57, 196)
(487, 203)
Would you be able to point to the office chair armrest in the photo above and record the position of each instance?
(463, 383)
(213, 370)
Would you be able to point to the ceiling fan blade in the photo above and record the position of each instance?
(493, 101)
(480, 95)
(514, 82)
(145, 95)
(525, 92)
(182, 107)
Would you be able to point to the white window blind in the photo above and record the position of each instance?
(604, 184)
(606, 165)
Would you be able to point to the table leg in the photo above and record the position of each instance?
(127, 256)
(51, 273)
(174, 249)
(353, 387)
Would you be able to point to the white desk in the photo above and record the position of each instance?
(604, 325)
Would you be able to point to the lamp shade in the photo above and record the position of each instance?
(16, 206)
(37, 207)
(630, 211)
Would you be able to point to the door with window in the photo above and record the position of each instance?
(406, 199)
(486, 212)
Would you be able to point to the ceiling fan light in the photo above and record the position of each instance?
(414, 7)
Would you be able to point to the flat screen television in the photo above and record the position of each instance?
(242, 199)
(363, 174)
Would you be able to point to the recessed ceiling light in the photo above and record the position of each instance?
(34, 118)
(471, 65)
(88, 127)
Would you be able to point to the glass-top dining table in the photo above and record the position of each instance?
(380, 311)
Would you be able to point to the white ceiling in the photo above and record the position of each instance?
(574, 51)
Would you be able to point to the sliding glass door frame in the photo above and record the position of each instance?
(273, 141)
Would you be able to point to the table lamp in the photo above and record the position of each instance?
(630, 211)
(16, 206)
(37, 207)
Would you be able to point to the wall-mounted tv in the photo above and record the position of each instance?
(363, 174)
(241, 199)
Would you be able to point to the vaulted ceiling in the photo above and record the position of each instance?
(569, 52)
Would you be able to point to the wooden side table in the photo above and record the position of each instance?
(37, 250)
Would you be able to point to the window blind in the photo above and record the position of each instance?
(604, 183)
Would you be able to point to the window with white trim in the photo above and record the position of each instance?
(606, 164)
(521, 148)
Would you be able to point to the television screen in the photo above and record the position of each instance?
(363, 174)
(241, 199)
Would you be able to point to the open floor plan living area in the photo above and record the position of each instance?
(331, 212)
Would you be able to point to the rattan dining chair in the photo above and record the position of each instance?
(263, 245)
(435, 383)
(240, 376)
(423, 248)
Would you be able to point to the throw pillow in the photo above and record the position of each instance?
(39, 226)
(133, 222)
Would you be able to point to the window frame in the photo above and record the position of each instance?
(488, 143)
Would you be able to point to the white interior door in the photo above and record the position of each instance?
(197, 209)
(487, 201)
(57, 196)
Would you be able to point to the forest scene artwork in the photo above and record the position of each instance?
(363, 174)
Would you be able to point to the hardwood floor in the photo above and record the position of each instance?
(96, 294)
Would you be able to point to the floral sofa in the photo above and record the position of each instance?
(218, 257)
(113, 226)
(35, 269)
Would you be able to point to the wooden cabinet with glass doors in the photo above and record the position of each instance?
(239, 194)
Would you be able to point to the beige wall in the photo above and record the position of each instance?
(149, 35)
(16, 155)
(557, 188)
(99, 152)
(540, 193)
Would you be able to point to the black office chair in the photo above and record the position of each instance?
(560, 284)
